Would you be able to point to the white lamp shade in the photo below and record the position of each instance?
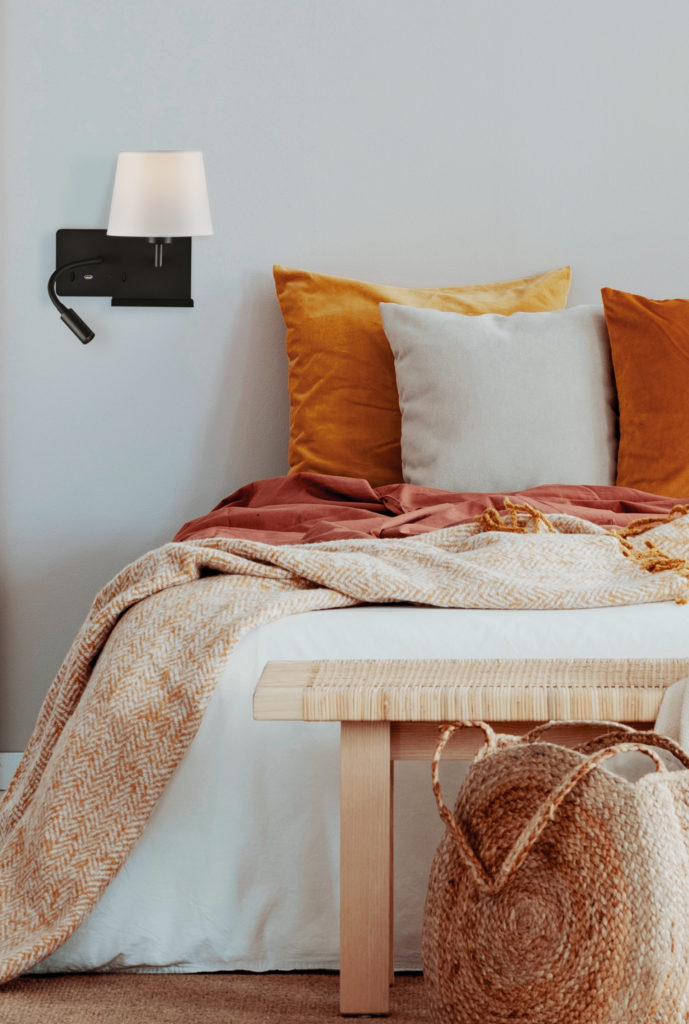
(160, 195)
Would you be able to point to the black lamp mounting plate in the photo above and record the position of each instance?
(127, 272)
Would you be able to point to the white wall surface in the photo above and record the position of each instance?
(418, 142)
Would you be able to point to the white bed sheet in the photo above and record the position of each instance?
(238, 865)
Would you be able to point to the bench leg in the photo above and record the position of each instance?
(365, 867)
(391, 904)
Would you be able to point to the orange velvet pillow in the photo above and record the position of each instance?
(344, 411)
(650, 353)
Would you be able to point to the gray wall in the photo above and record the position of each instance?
(417, 142)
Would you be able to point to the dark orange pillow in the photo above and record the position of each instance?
(344, 410)
(649, 339)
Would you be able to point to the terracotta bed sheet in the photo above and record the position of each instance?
(308, 507)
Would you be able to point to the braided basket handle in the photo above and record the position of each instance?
(619, 733)
(471, 859)
(623, 740)
(535, 827)
(619, 730)
(554, 723)
(650, 739)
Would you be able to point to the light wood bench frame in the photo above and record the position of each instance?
(390, 711)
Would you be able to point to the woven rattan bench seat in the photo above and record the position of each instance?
(441, 690)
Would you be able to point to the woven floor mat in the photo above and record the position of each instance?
(291, 998)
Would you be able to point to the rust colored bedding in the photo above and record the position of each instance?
(309, 507)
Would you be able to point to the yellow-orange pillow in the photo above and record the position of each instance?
(649, 339)
(344, 410)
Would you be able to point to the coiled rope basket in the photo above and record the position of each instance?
(559, 893)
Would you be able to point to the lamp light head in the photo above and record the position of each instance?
(77, 326)
(161, 194)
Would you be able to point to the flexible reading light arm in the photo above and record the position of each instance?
(68, 316)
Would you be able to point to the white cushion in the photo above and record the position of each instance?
(501, 403)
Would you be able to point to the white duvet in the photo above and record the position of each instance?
(238, 866)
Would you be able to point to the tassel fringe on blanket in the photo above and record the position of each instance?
(526, 519)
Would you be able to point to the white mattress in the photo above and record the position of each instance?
(238, 865)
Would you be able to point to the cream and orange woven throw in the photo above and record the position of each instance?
(133, 688)
(560, 892)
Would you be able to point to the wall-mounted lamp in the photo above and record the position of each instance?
(159, 201)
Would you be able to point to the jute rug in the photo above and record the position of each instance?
(192, 999)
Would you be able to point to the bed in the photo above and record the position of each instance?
(237, 865)
(214, 885)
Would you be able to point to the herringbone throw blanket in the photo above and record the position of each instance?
(133, 688)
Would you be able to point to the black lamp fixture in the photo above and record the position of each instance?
(159, 201)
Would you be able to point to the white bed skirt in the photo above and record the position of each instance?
(238, 866)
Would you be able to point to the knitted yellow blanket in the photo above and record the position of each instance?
(133, 689)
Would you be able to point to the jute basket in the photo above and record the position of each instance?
(559, 893)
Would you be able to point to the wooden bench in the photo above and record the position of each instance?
(389, 711)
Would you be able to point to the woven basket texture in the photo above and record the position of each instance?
(559, 893)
